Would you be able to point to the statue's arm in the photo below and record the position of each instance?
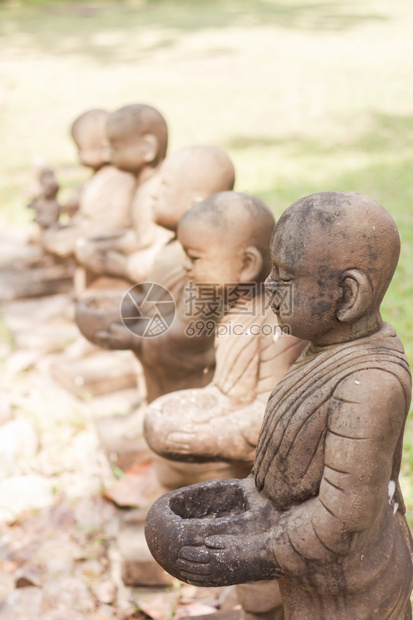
(229, 430)
(276, 357)
(114, 211)
(277, 354)
(234, 428)
(105, 252)
(127, 243)
(61, 240)
(139, 263)
(366, 418)
(72, 205)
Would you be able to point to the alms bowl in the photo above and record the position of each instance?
(96, 313)
(187, 516)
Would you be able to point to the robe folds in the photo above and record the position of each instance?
(328, 458)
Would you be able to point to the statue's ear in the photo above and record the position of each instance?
(357, 296)
(252, 264)
(150, 147)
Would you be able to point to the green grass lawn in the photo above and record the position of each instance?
(305, 95)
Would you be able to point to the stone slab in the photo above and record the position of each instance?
(138, 568)
(233, 614)
(99, 373)
(35, 281)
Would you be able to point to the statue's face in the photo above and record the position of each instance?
(177, 192)
(315, 291)
(127, 149)
(187, 177)
(211, 259)
(91, 151)
(167, 195)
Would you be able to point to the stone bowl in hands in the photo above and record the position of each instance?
(185, 519)
(97, 313)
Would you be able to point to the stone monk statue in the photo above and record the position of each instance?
(173, 360)
(103, 201)
(323, 512)
(225, 238)
(137, 143)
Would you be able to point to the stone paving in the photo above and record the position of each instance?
(58, 554)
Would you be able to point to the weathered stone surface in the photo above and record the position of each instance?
(100, 373)
(205, 612)
(138, 566)
(121, 438)
(57, 555)
(115, 403)
(88, 513)
(67, 594)
(18, 441)
(52, 317)
(233, 614)
(15, 244)
(48, 338)
(18, 314)
(228, 598)
(139, 487)
(22, 604)
(38, 280)
(159, 605)
(105, 591)
(323, 512)
(106, 612)
(89, 571)
(6, 585)
(260, 598)
(21, 360)
(21, 493)
(29, 575)
(62, 614)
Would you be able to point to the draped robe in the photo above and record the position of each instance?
(342, 541)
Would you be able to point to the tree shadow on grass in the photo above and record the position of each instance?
(65, 28)
(385, 133)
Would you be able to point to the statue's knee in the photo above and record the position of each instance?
(261, 600)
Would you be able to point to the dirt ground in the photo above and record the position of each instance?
(58, 554)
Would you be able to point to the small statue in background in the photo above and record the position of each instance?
(224, 227)
(45, 203)
(185, 178)
(137, 136)
(323, 512)
(173, 360)
(100, 204)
